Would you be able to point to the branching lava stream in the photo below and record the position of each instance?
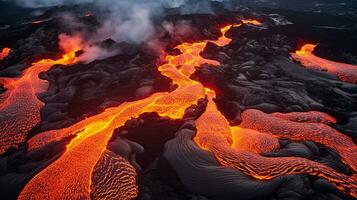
(73, 170)
(240, 147)
(75, 174)
(345, 72)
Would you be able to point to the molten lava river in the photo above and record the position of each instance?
(19, 105)
(88, 170)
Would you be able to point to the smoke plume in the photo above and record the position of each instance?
(130, 21)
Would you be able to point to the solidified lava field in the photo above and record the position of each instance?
(178, 99)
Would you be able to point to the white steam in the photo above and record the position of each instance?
(69, 43)
(125, 20)
(129, 21)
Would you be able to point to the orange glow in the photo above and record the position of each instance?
(240, 147)
(19, 105)
(123, 185)
(4, 53)
(312, 129)
(85, 162)
(305, 56)
(310, 116)
(250, 21)
(73, 170)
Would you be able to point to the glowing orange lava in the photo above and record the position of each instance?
(310, 116)
(74, 168)
(240, 147)
(305, 56)
(250, 21)
(116, 168)
(235, 147)
(310, 130)
(4, 53)
(19, 105)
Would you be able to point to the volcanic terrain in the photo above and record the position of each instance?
(178, 100)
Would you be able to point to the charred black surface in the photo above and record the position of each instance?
(85, 89)
(150, 131)
(256, 71)
(156, 178)
(32, 42)
(160, 181)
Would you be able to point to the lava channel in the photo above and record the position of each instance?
(344, 72)
(76, 168)
(79, 170)
(19, 105)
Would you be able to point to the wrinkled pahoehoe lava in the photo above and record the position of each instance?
(262, 152)
(74, 168)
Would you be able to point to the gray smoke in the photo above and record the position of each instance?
(48, 3)
(130, 21)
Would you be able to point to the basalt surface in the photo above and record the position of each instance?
(237, 107)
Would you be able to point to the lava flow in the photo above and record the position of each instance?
(85, 162)
(240, 147)
(4, 53)
(19, 105)
(305, 56)
(250, 21)
(73, 171)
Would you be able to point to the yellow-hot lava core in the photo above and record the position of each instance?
(234, 147)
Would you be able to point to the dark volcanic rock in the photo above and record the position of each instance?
(84, 89)
(256, 71)
(259, 74)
